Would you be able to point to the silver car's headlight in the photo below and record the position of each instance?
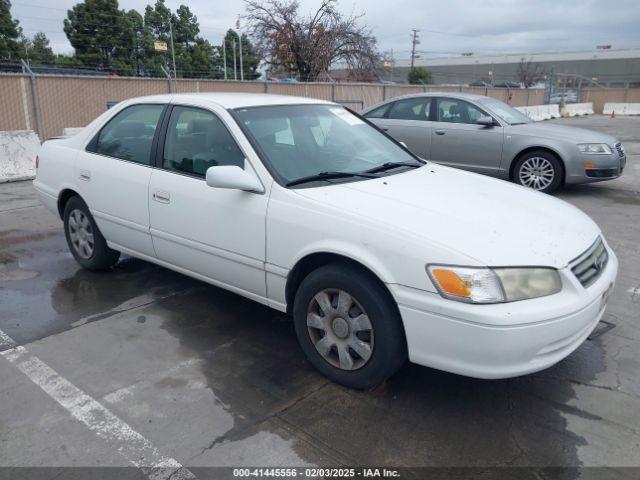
(493, 285)
(595, 148)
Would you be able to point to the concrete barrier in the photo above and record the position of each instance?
(575, 109)
(541, 112)
(621, 108)
(71, 131)
(18, 150)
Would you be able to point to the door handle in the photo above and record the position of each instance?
(386, 129)
(440, 132)
(162, 197)
(85, 175)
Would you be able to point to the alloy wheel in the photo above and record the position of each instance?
(537, 173)
(340, 329)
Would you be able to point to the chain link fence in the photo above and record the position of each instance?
(47, 104)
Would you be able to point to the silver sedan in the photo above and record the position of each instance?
(487, 136)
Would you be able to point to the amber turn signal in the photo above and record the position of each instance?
(451, 283)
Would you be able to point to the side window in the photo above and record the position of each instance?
(458, 111)
(129, 134)
(196, 140)
(378, 112)
(411, 109)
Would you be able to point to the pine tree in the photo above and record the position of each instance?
(10, 33)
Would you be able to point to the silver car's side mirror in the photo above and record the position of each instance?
(487, 121)
(233, 177)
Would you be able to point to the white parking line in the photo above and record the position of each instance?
(135, 448)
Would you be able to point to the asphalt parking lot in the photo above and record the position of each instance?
(142, 366)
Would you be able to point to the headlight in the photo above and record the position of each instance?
(493, 285)
(595, 148)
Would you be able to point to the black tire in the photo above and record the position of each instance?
(388, 352)
(528, 158)
(101, 257)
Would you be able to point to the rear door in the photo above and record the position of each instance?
(457, 141)
(408, 120)
(114, 173)
(216, 233)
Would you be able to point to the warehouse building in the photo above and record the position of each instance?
(607, 67)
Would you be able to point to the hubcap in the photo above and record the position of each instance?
(537, 173)
(81, 234)
(340, 329)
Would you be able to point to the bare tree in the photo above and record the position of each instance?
(529, 72)
(308, 46)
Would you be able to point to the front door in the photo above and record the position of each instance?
(217, 234)
(457, 141)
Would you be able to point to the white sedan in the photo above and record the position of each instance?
(305, 207)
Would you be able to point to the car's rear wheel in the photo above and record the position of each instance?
(539, 170)
(85, 241)
(348, 326)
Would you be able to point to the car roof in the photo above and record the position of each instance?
(463, 96)
(230, 100)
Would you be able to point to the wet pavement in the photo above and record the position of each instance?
(209, 378)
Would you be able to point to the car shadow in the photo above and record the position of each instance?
(419, 417)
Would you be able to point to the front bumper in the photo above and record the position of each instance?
(607, 167)
(502, 340)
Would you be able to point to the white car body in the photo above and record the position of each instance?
(250, 242)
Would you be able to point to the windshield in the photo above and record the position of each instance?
(505, 112)
(300, 141)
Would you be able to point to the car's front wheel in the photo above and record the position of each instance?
(349, 326)
(85, 241)
(540, 170)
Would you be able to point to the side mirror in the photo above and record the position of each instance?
(487, 121)
(233, 177)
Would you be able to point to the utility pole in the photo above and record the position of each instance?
(173, 52)
(235, 70)
(414, 41)
(393, 62)
(224, 56)
(240, 45)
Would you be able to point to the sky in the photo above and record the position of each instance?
(447, 27)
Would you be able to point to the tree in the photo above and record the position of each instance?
(529, 72)
(10, 33)
(419, 76)
(186, 27)
(308, 46)
(101, 35)
(38, 50)
(140, 36)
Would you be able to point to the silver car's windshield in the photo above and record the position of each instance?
(301, 141)
(505, 112)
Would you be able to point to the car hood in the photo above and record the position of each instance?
(493, 222)
(561, 132)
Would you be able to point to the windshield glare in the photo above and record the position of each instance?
(303, 140)
(505, 112)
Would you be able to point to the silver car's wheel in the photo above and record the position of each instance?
(340, 329)
(81, 234)
(537, 173)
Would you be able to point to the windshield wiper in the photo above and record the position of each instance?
(390, 165)
(329, 176)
